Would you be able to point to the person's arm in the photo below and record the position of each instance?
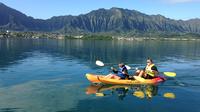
(114, 70)
(125, 71)
(154, 69)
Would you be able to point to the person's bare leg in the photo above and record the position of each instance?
(108, 76)
(112, 76)
(137, 72)
(117, 77)
(141, 73)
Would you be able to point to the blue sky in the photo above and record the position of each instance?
(44, 9)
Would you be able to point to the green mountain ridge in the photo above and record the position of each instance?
(114, 20)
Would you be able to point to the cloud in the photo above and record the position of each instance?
(181, 1)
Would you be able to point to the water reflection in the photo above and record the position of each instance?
(121, 91)
(132, 52)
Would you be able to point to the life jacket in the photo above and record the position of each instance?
(147, 70)
(120, 72)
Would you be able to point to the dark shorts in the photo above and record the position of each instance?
(149, 77)
(121, 76)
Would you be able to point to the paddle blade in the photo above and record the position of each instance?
(100, 94)
(128, 67)
(170, 74)
(169, 95)
(139, 94)
(99, 63)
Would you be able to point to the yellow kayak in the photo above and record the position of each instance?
(139, 80)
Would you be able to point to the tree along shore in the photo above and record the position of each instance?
(36, 35)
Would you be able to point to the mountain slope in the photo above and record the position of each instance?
(102, 20)
(15, 20)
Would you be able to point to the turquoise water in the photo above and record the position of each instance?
(45, 75)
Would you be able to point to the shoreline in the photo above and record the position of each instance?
(157, 39)
(50, 35)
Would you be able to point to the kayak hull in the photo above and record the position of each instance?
(94, 78)
(101, 79)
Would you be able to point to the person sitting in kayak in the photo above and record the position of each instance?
(149, 72)
(121, 73)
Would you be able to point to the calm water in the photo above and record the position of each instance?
(44, 75)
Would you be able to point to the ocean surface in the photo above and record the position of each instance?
(47, 75)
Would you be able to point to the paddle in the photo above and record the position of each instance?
(169, 95)
(100, 63)
(100, 94)
(169, 74)
(141, 94)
